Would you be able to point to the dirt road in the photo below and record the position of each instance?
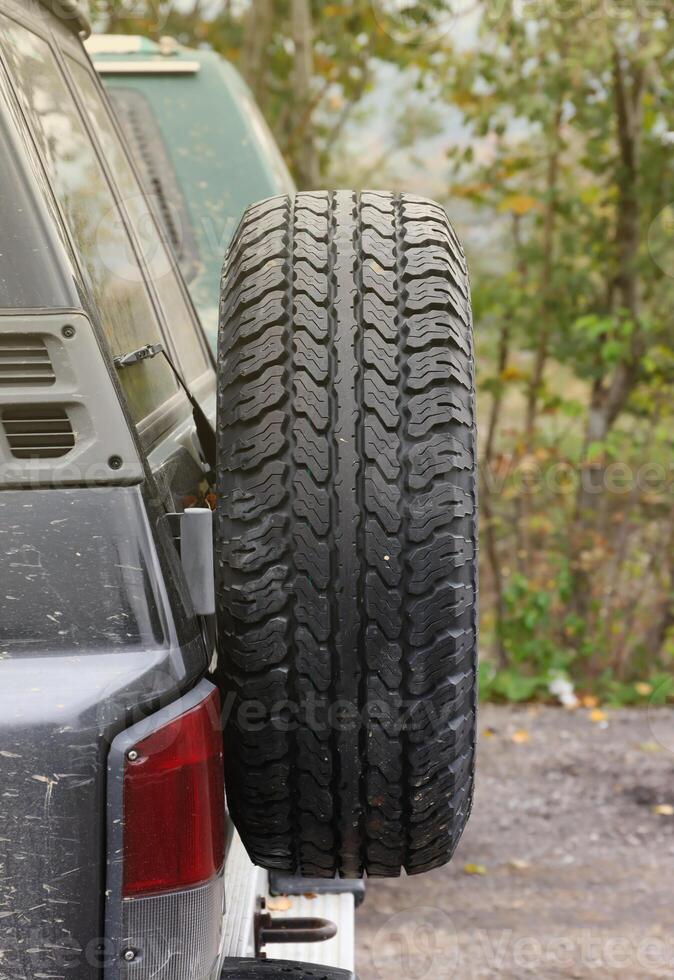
(566, 868)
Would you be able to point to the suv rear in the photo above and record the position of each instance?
(98, 627)
(325, 619)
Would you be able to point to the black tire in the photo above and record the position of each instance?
(234, 969)
(346, 534)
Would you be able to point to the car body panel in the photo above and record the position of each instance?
(97, 630)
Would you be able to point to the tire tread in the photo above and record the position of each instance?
(346, 531)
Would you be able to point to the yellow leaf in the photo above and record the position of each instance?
(650, 747)
(279, 904)
(511, 373)
(597, 715)
(488, 733)
(465, 98)
(469, 190)
(643, 688)
(474, 869)
(664, 810)
(589, 701)
(517, 864)
(520, 736)
(518, 204)
(589, 195)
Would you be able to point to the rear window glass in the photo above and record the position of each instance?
(29, 276)
(160, 260)
(102, 240)
(144, 137)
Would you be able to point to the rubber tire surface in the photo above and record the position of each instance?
(346, 534)
(280, 970)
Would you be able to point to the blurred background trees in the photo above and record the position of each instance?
(547, 129)
(571, 110)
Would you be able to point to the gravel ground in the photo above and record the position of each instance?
(571, 849)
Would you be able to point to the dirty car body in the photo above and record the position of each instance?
(97, 630)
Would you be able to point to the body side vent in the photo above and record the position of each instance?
(25, 361)
(38, 431)
(61, 420)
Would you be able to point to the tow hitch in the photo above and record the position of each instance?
(291, 929)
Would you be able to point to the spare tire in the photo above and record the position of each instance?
(346, 534)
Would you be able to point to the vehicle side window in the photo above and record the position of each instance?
(160, 260)
(23, 232)
(95, 223)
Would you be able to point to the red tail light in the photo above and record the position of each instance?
(174, 804)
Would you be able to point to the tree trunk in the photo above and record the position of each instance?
(488, 527)
(610, 397)
(541, 354)
(497, 399)
(257, 36)
(664, 620)
(303, 142)
(112, 17)
(491, 543)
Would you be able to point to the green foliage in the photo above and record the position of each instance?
(545, 640)
(510, 684)
(658, 690)
(528, 629)
(567, 111)
(566, 169)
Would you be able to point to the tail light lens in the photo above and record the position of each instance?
(174, 804)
